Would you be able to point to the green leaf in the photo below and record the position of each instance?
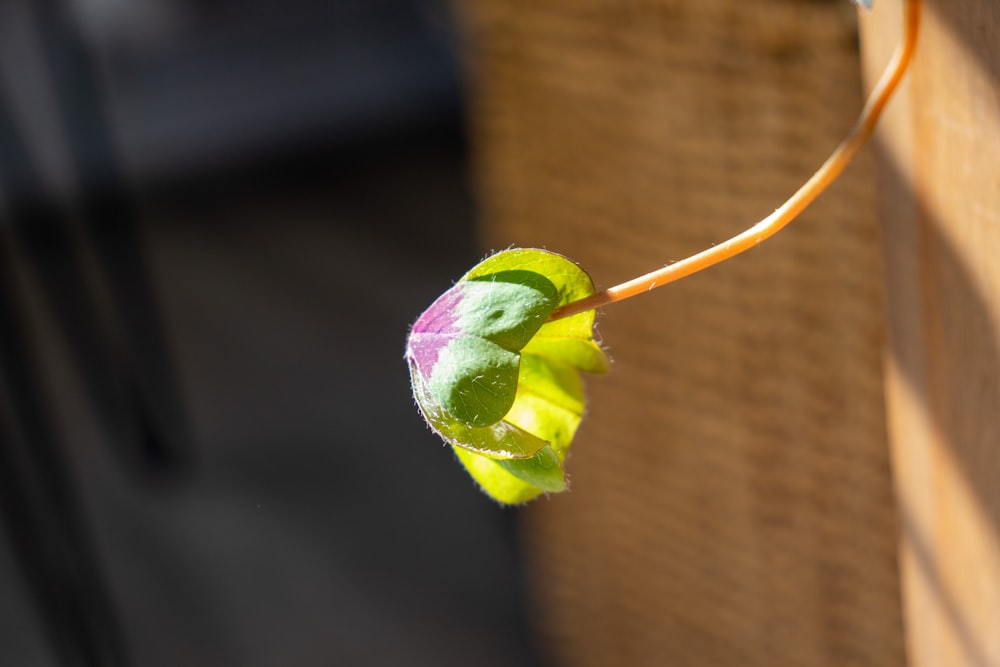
(515, 481)
(549, 401)
(506, 307)
(570, 339)
(501, 440)
(498, 381)
(571, 282)
(583, 354)
(475, 380)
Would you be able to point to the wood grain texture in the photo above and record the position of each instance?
(939, 171)
(731, 500)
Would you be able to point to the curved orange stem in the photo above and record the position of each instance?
(803, 197)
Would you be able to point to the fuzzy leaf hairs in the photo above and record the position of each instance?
(497, 380)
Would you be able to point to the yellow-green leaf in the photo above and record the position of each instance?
(497, 380)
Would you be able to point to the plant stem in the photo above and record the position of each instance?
(820, 181)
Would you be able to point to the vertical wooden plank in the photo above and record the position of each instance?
(730, 499)
(939, 190)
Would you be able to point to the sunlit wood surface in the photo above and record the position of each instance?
(939, 194)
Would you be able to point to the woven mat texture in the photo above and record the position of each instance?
(731, 500)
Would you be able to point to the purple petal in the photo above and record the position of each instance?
(433, 330)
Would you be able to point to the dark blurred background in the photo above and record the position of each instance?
(217, 220)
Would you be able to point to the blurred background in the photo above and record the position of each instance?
(218, 220)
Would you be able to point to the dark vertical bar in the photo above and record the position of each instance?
(42, 228)
(109, 216)
(41, 507)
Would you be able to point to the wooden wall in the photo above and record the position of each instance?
(731, 497)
